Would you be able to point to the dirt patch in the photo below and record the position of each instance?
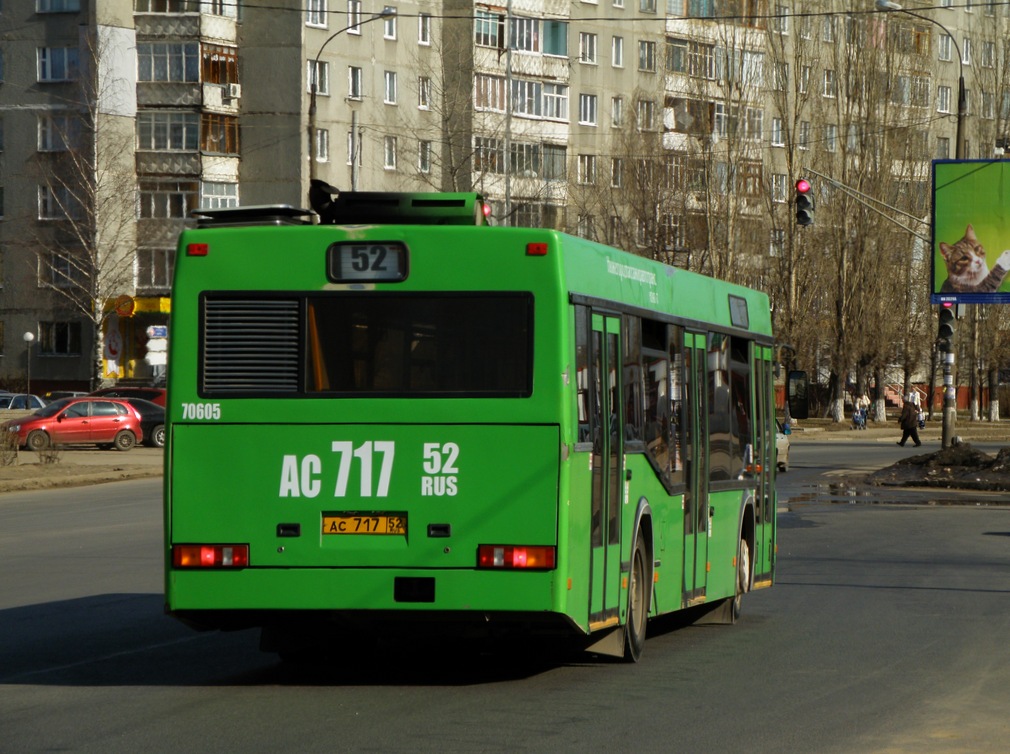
(959, 467)
(38, 476)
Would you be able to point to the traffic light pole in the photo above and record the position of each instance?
(949, 401)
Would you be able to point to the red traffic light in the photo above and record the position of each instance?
(803, 185)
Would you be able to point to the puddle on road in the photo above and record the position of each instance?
(850, 494)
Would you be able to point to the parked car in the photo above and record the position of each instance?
(72, 421)
(152, 421)
(153, 394)
(781, 446)
(21, 401)
(55, 395)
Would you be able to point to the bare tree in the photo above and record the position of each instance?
(84, 240)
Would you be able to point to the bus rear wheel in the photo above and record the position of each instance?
(638, 604)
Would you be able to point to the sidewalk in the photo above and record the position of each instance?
(824, 430)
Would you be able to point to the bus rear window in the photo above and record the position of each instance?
(444, 344)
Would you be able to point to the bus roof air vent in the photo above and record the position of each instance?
(269, 214)
(395, 208)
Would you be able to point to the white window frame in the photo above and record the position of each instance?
(424, 156)
(424, 29)
(315, 14)
(318, 72)
(423, 93)
(57, 131)
(57, 64)
(944, 47)
(617, 52)
(556, 101)
(354, 17)
(322, 145)
(778, 133)
(587, 47)
(354, 82)
(218, 194)
(943, 95)
(389, 27)
(617, 112)
(587, 109)
(389, 152)
(646, 56)
(587, 169)
(389, 87)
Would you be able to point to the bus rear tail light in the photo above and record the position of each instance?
(210, 556)
(523, 557)
(536, 249)
(197, 249)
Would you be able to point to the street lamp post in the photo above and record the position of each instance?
(386, 12)
(949, 391)
(29, 337)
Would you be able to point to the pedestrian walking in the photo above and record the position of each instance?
(909, 421)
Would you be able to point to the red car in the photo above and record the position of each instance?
(153, 394)
(72, 421)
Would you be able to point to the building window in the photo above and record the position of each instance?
(424, 156)
(587, 109)
(164, 6)
(524, 34)
(779, 188)
(646, 56)
(59, 270)
(353, 82)
(57, 63)
(315, 13)
(353, 16)
(389, 88)
(587, 169)
(168, 131)
(524, 159)
(219, 64)
(389, 152)
(555, 165)
(527, 97)
(828, 29)
(830, 85)
(59, 203)
(616, 172)
(57, 6)
(424, 29)
(216, 195)
(804, 79)
(58, 132)
(389, 27)
(556, 38)
(489, 93)
(167, 199)
(617, 52)
(322, 145)
(354, 148)
(587, 48)
(780, 21)
(60, 338)
(831, 137)
(423, 92)
(943, 99)
(804, 140)
(219, 134)
(778, 138)
(225, 8)
(647, 6)
(943, 48)
(488, 28)
(617, 111)
(318, 76)
(966, 51)
(155, 268)
(488, 155)
(168, 61)
(942, 148)
(556, 101)
(646, 115)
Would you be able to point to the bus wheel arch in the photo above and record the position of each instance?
(640, 577)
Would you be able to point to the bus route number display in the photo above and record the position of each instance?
(367, 262)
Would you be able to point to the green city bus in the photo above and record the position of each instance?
(388, 415)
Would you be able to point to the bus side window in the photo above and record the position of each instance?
(634, 383)
(582, 372)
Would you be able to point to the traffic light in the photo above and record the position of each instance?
(804, 202)
(945, 332)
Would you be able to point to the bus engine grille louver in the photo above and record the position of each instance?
(250, 346)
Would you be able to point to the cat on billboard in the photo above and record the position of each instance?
(971, 232)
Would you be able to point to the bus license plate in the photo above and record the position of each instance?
(364, 523)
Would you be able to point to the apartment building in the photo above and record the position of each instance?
(674, 128)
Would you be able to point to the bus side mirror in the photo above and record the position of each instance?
(797, 390)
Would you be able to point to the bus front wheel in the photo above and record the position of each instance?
(638, 604)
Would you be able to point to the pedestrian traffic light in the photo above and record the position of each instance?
(804, 202)
(945, 332)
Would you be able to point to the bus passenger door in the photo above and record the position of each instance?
(696, 494)
(764, 459)
(606, 423)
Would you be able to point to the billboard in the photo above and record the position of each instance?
(971, 232)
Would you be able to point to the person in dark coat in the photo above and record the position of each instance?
(909, 421)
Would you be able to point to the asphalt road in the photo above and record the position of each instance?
(886, 632)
